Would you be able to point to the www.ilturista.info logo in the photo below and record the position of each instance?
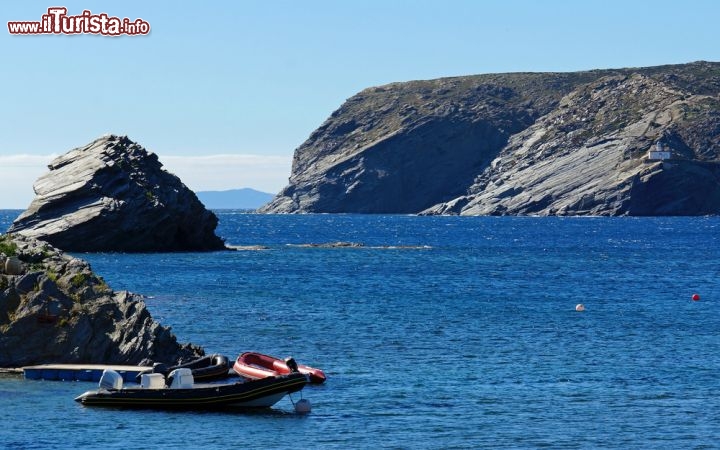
(56, 21)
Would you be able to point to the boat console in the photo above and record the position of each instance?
(152, 381)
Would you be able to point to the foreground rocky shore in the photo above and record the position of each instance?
(54, 309)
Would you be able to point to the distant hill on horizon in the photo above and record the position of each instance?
(244, 198)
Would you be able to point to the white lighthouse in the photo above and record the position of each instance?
(659, 152)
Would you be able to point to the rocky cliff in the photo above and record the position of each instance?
(113, 195)
(523, 143)
(53, 309)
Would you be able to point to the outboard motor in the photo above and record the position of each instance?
(111, 380)
(218, 360)
(292, 364)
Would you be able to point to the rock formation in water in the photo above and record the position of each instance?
(54, 309)
(113, 195)
(518, 144)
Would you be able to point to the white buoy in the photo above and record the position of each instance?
(302, 406)
(579, 307)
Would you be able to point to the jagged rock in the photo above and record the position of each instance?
(524, 143)
(340, 244)
(58, 311)
(248, 247)
(113, 195)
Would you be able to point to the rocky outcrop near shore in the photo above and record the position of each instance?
(54, 309)
(113, 195)
(518, 144)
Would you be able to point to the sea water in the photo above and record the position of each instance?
(437, 332)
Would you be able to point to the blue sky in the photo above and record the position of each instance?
(224, 92)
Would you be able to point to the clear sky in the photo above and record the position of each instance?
(224, 92)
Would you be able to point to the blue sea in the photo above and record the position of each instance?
(440, 332)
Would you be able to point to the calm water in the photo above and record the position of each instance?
(466, 338)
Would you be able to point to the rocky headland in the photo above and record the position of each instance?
(54, 309)
(518, 144)
(113, 195)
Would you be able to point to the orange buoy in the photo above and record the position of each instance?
(579, 307)
(695, 297)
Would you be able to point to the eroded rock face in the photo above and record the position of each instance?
(589, 156)
(113, 195)
(55, 310)
(541, 144)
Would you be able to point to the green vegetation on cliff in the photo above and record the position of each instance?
(54, 309)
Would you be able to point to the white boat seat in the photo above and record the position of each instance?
(181, 379)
